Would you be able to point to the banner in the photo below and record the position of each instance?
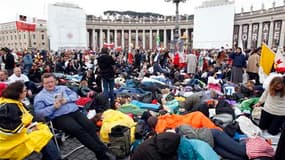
(279, 62)
(265, 32)
(24, 23)
(244, 35)
(266, 59)
(235, 36)
(276, 33)
(254, 35)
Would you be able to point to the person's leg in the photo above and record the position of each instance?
(69, 124)
(90, 128)
(275, 126)
(280, 151)
(50, 152)
(227, 145)
(111, 90)
(227, 155)
(265, 120)
(105, 88)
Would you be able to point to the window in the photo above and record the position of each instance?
(24, 36)
(11, 37)
(15, 37)
(34, 36)
(43, 43)
(35, 43)
(43, 37)
(19, 37)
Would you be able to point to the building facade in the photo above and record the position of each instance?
(12, 38)
(250, 28)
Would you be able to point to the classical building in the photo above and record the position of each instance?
(250, 28)
(12, 38)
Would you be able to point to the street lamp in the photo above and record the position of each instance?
(176, 30)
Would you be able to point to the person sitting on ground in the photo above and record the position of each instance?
(57, 103)
(19, 136)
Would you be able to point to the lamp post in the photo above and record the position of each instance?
(176, 30)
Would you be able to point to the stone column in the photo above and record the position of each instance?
(282, 34)
(108, 36)
(259, 40)
(187, 37)
(137, 39)
(150, 39)
(143, 39)
(249, 36)
(270, 38)
(115, 38)
(101, 38)
(157, 36)
(123, 39)
(164, 38)
(172, 35)
(240, 36)
(130, 39)
(93, 41)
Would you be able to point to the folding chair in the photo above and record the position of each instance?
(63, 138)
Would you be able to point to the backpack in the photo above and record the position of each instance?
(120, 141)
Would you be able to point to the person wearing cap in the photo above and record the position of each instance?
(8, 59)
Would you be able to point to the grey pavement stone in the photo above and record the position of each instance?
(68, 145)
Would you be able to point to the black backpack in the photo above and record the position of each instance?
(120, 141)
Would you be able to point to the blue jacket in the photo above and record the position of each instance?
(239, 60)
(195, 149)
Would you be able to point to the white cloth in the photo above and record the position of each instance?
(192, 61)
(247, 127)
(13, 78)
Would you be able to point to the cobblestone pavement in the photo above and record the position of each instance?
(68, 145)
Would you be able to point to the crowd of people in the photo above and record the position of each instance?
(200, 104)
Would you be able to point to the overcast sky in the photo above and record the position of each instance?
(38, 8)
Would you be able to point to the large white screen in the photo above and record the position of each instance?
(66, 28)
(213, 26)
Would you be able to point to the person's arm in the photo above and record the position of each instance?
(262, 98)
(232, 55)
(42, 109)
(71, 95)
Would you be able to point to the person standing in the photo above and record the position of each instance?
(8, 59)
(239, 62)
(192, 61)
(106, 65)
(253, 66)
(28, 62)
